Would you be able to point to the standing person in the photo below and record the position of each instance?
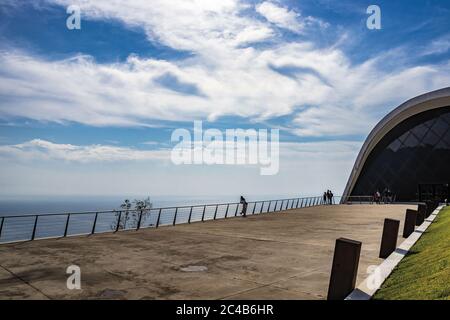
(325, 198)
(389, 195)
(244, 206)
(377, 197)
(331, 197)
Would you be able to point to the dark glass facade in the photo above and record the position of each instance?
(416, 151)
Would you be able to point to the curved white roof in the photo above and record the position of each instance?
(425, 102)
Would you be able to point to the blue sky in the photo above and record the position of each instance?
(138, 70)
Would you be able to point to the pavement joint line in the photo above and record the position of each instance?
(24, 281)
(243, 291)
(272, 284)
(256, 288)
(300, 291)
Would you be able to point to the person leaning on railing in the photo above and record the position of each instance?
(244, 206)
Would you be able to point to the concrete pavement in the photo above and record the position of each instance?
(283, 255)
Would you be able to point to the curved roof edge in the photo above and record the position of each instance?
(428, 101)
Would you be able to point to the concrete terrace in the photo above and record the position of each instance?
(283, 255)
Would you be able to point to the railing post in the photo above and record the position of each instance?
(287, 204)
(226, 211)
(254, 208)
(237, 209)
(67, 225)
(159, 217)
(175, 217)
(215, 212)
(262, 207)
(275, 208)
(1, 226)
(125, 221)
(34, 228)
(118, 221)
(140, 220)
(268, 208)
(95, 223)
(203, 214)
(190, 215)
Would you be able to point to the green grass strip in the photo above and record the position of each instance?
(424, 274)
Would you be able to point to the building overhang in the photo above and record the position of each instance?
(417, 105)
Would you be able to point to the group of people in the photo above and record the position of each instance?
(386, 197)
(328, 197)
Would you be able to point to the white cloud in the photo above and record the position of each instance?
(291, 20)
(282, 17)
(324, 91)
(38, 149)
(438, 46)
(40, 167)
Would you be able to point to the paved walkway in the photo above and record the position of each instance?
(284, 255)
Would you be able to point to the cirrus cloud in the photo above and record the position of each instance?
(227, 75)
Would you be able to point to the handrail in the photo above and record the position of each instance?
(17, 228)
(147, 209)
(368, 199)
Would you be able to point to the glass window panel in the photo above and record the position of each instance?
(416, 151)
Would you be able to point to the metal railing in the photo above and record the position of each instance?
(43, 226)
(368, 199)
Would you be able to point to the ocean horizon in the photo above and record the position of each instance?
(16, 205)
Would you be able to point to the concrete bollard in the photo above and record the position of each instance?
(410, 222)
(389, 238)
(422, 213)
(344, 269)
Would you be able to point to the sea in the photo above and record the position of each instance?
(13, 206)
(30, 218)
